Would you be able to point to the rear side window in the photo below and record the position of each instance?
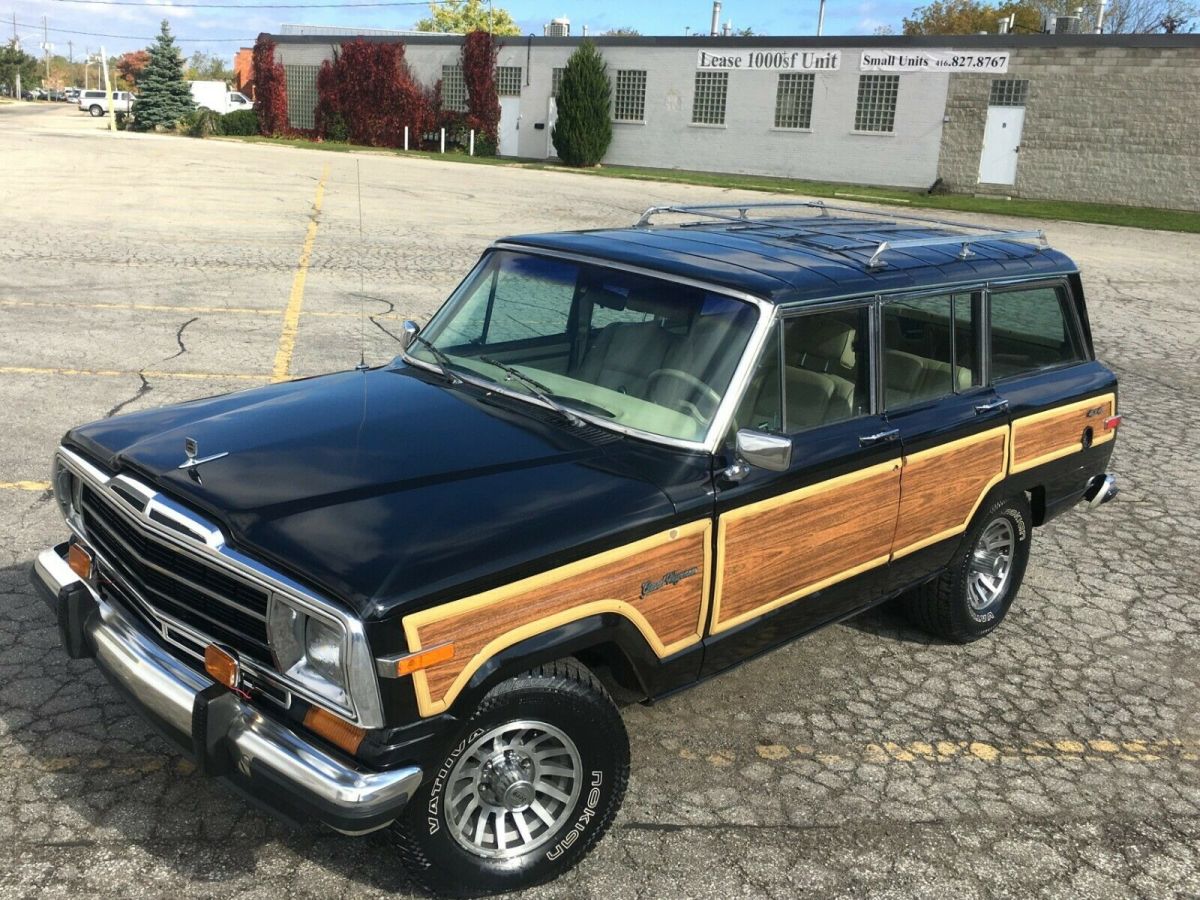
(931, 347)
(1032, 329)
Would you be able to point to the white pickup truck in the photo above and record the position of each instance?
(96, 102)
(216, 96)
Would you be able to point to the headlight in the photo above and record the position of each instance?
(67, 489)
(309, 649)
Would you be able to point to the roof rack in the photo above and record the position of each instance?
(723, 212)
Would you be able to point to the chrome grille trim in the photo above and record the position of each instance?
(204, 543)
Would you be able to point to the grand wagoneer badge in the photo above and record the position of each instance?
(673, 577)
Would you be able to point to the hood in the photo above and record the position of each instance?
(385, 486)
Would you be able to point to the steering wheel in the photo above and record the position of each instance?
(707, 399)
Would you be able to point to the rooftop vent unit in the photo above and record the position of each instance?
(560, 27)
(1066, 25)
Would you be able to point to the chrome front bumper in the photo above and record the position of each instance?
(264, 758)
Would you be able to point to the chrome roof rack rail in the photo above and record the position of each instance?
(739, 213)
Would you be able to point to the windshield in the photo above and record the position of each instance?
(643, 353)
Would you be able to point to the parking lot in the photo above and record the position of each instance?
(1059, 757)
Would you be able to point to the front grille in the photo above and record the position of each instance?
(172, 583)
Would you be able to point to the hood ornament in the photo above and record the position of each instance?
(191, 448)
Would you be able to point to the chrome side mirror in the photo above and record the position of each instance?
(766, 451)
(408, 333)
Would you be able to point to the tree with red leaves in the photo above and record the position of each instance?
(370, 89)
(130, 66)
(270, 85)
(479, 52)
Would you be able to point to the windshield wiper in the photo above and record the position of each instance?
(538, 389)
(443, 360)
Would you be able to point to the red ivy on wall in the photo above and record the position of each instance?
(479, 51)
(270, 84)
(370, 92)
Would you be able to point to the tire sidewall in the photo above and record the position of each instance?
(1016, 511)
(603, 751)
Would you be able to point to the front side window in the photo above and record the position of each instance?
(876, 107)
(708, 102)
(1032, 329)
(931, 347)
(640, 352)
(821, 374)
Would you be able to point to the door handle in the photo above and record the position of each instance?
(991, 406)
(880, 437)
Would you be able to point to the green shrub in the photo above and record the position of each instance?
(240, 121)
(584, 127)
(204, 122)
(336, 128)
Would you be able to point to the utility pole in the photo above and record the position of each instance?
(112, 119)
(821, 19)
(70, 51)
(46, 47)
(17, 46)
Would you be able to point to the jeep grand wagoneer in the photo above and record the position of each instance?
(614, 462)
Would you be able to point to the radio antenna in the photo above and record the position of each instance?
(362, 309)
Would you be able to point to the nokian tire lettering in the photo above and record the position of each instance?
(565, 696)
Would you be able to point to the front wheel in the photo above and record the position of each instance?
(96, 111)
(973, 595)
(530, 786)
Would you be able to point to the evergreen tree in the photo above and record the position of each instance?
(164, 96)
(584, 127)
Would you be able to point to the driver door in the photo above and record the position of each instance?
(799, 548)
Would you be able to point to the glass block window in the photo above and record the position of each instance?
(301, 95)
(454, 89)
(556, 79)
(876, 109)
(508, 81)
(1009, 92)
(708, 103)
(793, 100)
(629, 98)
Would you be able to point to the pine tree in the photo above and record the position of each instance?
(164, 96)
(584, 127)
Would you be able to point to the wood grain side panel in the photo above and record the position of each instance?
(941, 488)
(776, 551)
(1055, 433)
(670, 615)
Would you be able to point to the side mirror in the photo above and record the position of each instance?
(408, 333)
(766, 451)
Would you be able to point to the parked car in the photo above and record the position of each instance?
(56, 95)
(215, 96)
(96, 102)
(614, 462)
(71, 95)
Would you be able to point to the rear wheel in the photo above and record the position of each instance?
(532, 783)
(96, 111)
(973, 595)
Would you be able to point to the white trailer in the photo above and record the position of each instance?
(216, 96)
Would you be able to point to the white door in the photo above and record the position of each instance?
(1001, 143)
(551, 119)
(510, 124)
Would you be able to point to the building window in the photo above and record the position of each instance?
(1009, 92)
(629, 98)
(508, 81)
(556, 80)
(876, 109)
(708, 103)
(793, 100)
(454, 89)
(301, 95)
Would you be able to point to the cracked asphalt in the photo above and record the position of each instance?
(1058, 758)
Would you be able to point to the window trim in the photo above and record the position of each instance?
(1087, 354)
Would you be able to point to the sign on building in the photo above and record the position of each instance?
(933, 61)
(771, 60)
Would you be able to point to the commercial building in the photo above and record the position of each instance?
(1108, 118)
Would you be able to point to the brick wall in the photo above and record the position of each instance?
(1103, 124)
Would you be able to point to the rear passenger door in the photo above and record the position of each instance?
(799, 548)
(953, 428)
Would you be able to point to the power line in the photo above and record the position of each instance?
(135, 37)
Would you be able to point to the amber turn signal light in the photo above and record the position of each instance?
(80, 561)
(423, 659)
(337, 731)
(222, 666)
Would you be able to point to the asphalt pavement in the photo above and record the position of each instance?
(1060, 757)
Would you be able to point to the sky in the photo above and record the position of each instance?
(222, 31)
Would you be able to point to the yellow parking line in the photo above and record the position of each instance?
(24, 485)
(291, 315)
(203, 310)
(149, 373)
